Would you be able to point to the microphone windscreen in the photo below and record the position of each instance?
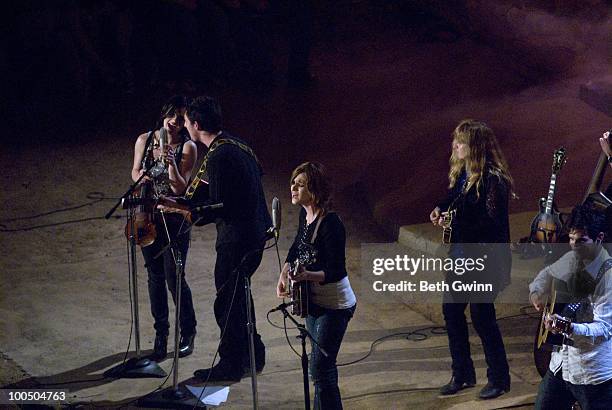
(276, 213)
(163, 137)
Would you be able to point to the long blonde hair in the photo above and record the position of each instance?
(484, 152)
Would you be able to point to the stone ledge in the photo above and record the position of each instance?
(427, 238)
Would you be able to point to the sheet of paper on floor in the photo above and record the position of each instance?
(212, 396)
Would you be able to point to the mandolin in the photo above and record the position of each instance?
(546, 226)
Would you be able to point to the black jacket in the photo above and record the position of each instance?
(482, 220)
(329, 244)
(482, 217)
(234, 179)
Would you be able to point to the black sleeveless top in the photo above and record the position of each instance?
(162, 185)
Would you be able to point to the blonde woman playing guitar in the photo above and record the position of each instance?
(479, 187)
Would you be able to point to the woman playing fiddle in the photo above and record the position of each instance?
(171, 146)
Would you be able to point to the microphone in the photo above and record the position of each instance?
(163, 140)
(283, 306)
(276, 216)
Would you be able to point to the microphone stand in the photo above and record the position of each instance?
(250, 323)
(304, 333)
(179, 396)
(137, 366)
(176, 396)
(251, 335)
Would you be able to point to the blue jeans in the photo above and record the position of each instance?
(327, 327)
(557, 394)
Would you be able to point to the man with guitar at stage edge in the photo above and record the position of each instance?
(581, 368)
(232, 173)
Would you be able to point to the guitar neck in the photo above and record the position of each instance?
(296, 267)
(551, 194)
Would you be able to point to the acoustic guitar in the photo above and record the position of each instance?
(299, 291)
(545, 340)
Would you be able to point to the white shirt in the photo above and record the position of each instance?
(334, 295)
(589, 361)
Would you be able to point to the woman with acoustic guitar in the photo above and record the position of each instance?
(173, 154)
(479, 187)
(321, 236)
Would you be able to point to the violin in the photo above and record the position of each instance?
(142, 217)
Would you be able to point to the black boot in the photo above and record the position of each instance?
(160, 348)
(491, 390)
(260, 362)
(456, 384)
(186, 345)
(224, 371)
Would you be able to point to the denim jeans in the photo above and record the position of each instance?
(327, 327)
(485, 323)
(557, 394)
(162, 273)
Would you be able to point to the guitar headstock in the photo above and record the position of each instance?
(559, 159)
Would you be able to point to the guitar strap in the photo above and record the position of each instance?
(201, 174)
(316, 230)
(602, 271)
(571, 309)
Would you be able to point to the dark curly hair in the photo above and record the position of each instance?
(318, 183)
(587, 219)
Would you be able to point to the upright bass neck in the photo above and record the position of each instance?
(597, 178)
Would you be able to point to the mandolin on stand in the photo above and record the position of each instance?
(546, 226)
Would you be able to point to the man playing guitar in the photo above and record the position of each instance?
(580, 370)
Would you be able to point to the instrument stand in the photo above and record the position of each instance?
(304, 334)
(135, 367)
